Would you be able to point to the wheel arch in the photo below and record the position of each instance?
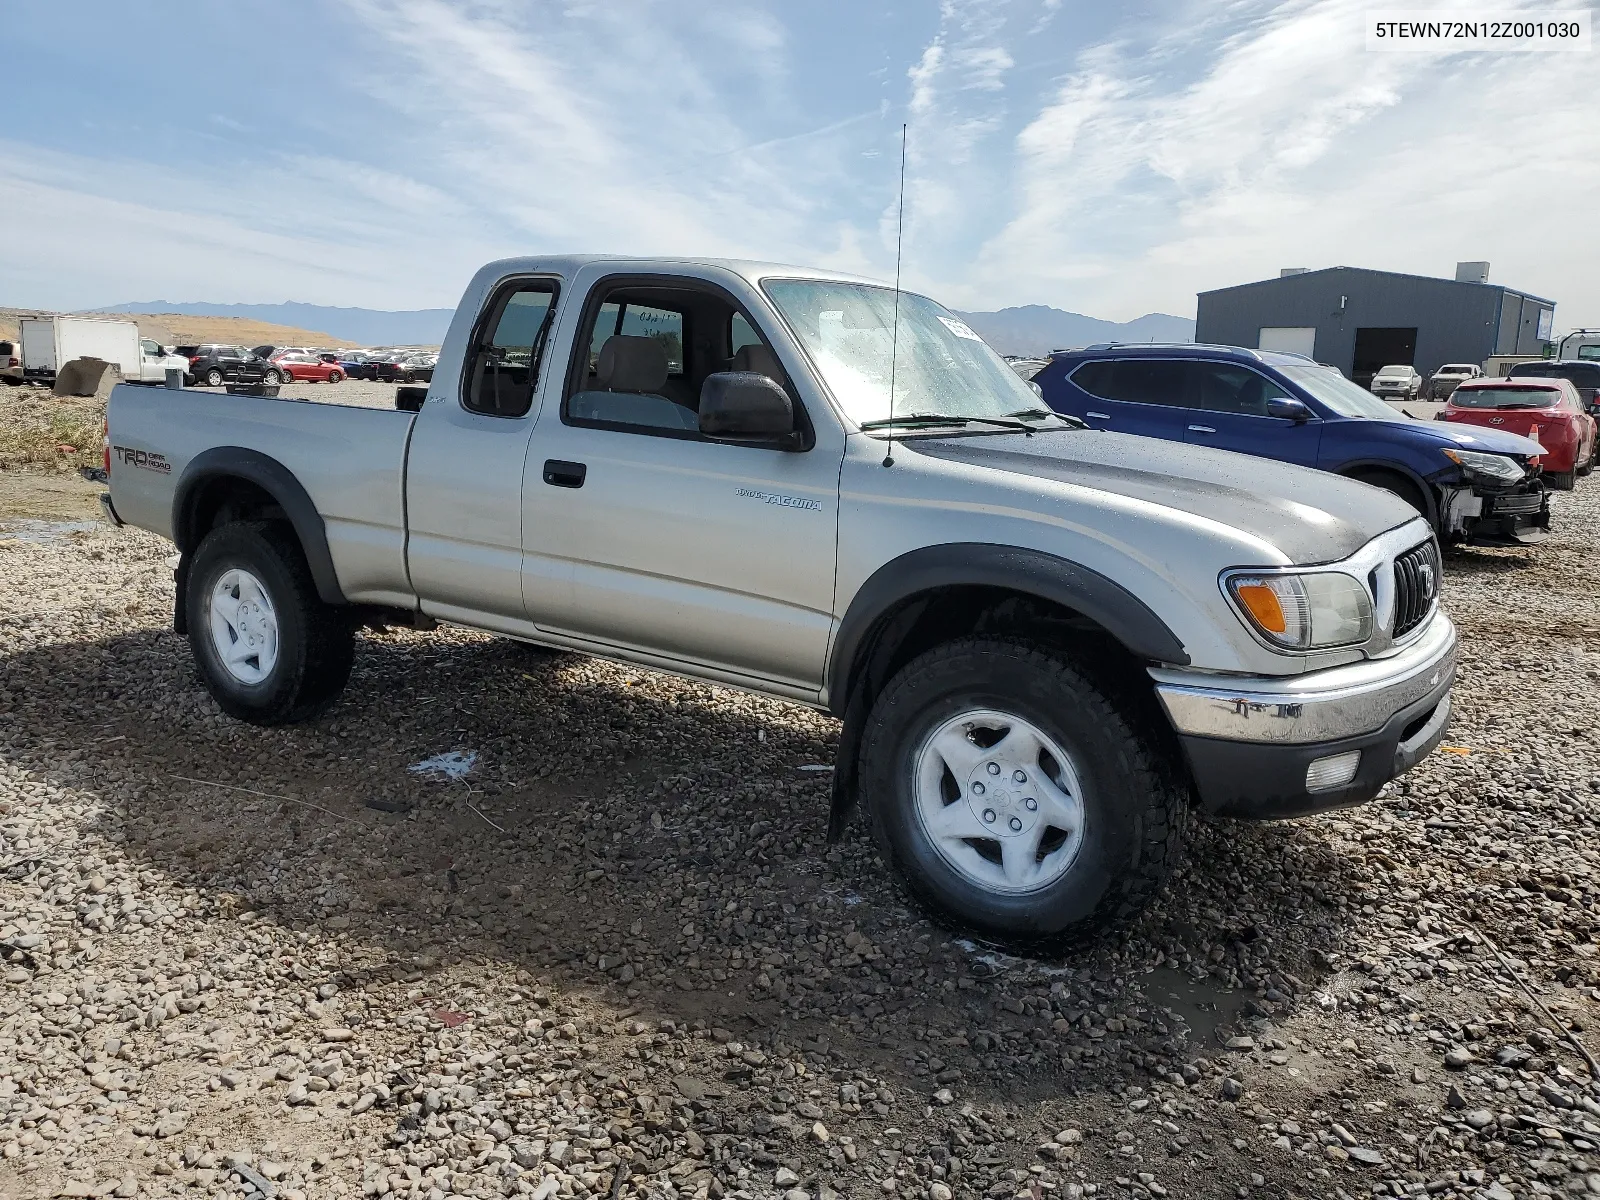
(938, 593)
(253, 484)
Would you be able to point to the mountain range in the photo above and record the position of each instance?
(363, 326)
(1036, 329)
(1030, 329)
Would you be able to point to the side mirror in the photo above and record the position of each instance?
(748, 409)
(1289, 410)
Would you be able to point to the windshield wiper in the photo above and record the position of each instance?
(1041, 413)
(923, 420)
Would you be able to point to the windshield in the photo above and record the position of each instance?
(939, 365)
(1395, 373)
(1504, 397)
(1339, 394)
(1455, 369)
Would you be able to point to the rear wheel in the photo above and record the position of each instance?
(1013, 798)
(1561, 481)
(270, 651)
(214, 378)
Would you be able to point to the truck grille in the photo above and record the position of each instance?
(1416, 586)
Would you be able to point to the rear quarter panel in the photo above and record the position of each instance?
(351, 462)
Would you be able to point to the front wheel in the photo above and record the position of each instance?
(273, 377)
(270, 651)
(335, 376)
(1013, 798)
(1562, 481)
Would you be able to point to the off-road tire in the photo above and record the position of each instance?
(316, 641)
(1136, 799)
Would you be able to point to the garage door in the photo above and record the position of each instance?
(1293, 339)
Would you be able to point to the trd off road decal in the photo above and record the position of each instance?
(148, 459)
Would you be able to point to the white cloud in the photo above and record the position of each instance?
(1292, 145)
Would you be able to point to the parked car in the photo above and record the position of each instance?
(213, 365)
(356, 364)
(1399, 382)
(418, 368)
(305, 368)
(1026, 368)
(1444, 380)
(10, 363)
(1477, 486)
(1585, 376)
(386, 367)
(1042, 640)
(1548, 410)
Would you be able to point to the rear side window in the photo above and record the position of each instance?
(1134, 380)
(503, 365)
(7, 348)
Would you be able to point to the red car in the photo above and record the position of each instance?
(305, 368)
(1548, 410)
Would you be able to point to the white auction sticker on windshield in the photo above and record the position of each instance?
(960, 328)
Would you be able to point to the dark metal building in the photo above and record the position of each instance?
(1360, 320)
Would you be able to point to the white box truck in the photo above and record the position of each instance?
(48, 343)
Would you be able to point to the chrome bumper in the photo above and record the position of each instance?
(1324, 706)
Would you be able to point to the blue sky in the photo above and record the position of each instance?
(1109, 159)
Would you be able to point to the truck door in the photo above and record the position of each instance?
(465, 464)
(682, 549)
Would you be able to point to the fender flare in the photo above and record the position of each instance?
(272, 477)
(978, 564)
(1349, 469)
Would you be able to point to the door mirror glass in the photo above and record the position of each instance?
(748, 409)
(1288, 410)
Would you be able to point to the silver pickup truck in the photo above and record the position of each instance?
(1045, 643)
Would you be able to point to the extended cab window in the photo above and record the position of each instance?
(1225, 388)
(1134, 380)
(503, 364)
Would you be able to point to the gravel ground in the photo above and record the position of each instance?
(618, 957)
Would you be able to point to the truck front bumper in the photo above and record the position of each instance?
(1268, 747)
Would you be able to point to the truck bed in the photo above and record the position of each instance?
(349, 459)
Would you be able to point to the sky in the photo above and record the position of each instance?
(1107, 159)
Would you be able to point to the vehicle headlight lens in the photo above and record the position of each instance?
(1305, 612)
(1492, 466)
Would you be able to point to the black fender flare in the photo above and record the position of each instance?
(1429, 492)
(1032, 572)
(272, 477)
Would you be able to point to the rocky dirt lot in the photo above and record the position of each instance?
(617, 956)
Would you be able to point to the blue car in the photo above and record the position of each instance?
(1473, 484)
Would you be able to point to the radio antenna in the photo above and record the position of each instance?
(894, 336)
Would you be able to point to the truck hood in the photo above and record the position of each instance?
(1310, 516)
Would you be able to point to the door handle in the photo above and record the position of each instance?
(1201, 429)
(1098, 416)
(559, 473)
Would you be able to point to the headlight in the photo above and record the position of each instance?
(1490, 466)
(1304, 612)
